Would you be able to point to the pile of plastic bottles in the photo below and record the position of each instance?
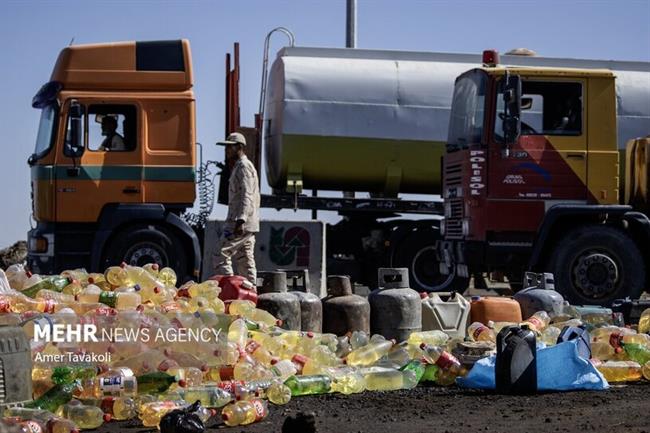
(158, 349)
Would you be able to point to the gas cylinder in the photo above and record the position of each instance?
(311, 309)
(274, 298)
(539, 295)
(395, 309)
(516, 362)
(343, 311)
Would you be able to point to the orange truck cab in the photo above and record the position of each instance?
(114, 165)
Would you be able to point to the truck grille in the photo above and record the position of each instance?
(453, 181)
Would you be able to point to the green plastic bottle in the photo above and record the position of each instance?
(155, 383)
(417, 367)
(637, 352)
(67, 374)
(306, 385)
(55, 283)
(54, 397)
(431, 372)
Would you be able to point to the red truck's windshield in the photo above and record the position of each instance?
(467, 110)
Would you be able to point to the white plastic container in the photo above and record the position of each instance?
(449, 316)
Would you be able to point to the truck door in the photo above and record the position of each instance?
(549, 162)
(110, 169)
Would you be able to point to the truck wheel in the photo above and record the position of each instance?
(417, 253)
(147, 244)
(596, 265)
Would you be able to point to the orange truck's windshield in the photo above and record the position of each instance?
(45, 130)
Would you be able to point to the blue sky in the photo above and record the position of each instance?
(33, 32)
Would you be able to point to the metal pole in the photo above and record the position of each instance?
(351, 24)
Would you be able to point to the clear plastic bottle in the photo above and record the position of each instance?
(238, 333)
(358, 339)
(435, 338)
(168, 277)
(389, 379)
(84, 416)
(370, 353)
(538, 321)
(109, 384)
(209, 396)
(119, 408)
(443, 359)
(479, 332)
(346, 380)
(550, 334)
(645, 370)
(244, 412)
(45, 420)
(119, 301)
(151, 413)
(278, 393)
(644, 322)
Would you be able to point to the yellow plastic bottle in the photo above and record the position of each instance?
(620, 371)
(479, 332)
(370, 353)
(644, 322)
(435, 338)
(168, 277)
(151, 413)
(84, 416)
(244, 412)
(645, 370)
(538, 321)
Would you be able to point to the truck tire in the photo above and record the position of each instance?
(417, 253)
(596, 265)
(144, 244)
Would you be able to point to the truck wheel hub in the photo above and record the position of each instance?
(596, 274)
(141, 254)
(425, 270)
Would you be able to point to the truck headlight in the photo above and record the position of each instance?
(37, 245)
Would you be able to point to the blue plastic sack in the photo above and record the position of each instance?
(559, 368)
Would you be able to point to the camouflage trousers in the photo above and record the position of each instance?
(240, 250)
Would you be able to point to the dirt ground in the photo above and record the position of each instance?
(622, 408)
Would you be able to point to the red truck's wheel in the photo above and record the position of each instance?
(596, 265)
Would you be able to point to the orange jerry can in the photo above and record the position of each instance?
(495, 309)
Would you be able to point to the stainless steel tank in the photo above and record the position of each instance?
(370, 120)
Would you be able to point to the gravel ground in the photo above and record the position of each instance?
(623, 408)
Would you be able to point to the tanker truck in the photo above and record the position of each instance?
(376, 122)
(333, 119)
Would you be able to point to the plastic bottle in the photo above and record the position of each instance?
(151, 413)
(278, 393)
(417, 367)
(549, 335)
(109, 384)
(155, 382)
(61, 298)
(435, 338)
(84, 416)
(637, 352)
(119, 301)
(244, 412)
(55, 283)
(370, 353)
(238, 333)
(19, 303)
(66, 374)
(645, 370)
(443, 359)
(618, 339)
(46, 420)
(55, 397)
(119, 408)
(346, 380)
(17, 276)
(620, 371)
(431, 372)
(538, 321)
(644, 322)
(479, 332)
(306, 385)
(209, 396)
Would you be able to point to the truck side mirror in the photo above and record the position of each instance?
(512, 113)
(73, 145)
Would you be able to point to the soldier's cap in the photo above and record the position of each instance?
(234, 138)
